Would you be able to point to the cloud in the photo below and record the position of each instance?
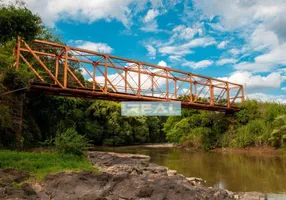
(238, 14)
(175, 58)
(222, 44)
(151, 15)
(258, 26)
(150, 22)
(162, 63)
(99, 47)
(225, 61)
(265, 62)
(234, 51)
(151, 51)
(251, 81)
(262, 39)
(198, 65)
(87, 11)
(267, 97)
(185, 48)
(181, 32)
(84, 73)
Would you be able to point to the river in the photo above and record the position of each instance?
(232, 171)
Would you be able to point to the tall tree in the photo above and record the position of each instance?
(17, 20)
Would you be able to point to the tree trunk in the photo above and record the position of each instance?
(17, 115)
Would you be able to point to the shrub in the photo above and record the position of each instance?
(70, 142)
(256, 132)
(278, 135)
(178, 130)
(198, 138)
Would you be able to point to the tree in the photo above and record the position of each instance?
(278, 135)
(17, 20)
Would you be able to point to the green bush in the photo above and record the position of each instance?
(179, 129)
(198, 138)
(278, 135)
(70, 142)
(255, 133)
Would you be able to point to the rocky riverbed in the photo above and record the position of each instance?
(123, 176)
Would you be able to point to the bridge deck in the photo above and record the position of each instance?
(74, 72)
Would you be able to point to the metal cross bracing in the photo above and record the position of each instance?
(75, 72)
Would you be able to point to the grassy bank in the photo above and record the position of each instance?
(41, 164)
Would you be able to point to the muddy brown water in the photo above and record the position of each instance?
(232, 171)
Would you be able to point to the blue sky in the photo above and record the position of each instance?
(242, 41)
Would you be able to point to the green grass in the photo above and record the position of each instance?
(41, 164)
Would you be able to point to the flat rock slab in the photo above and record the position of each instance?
(123, 176)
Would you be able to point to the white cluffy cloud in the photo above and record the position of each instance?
(150, 22)
(151, 51)
(251, 81)
(267, 97)
(225, 61)
(185, 48)
(181, 32)
(52, 11)
(99, 47)
(241, 13)
(259, 23)
(222, 44)
(151, 15)
(199, 64)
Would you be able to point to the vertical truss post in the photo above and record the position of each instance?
(195, 93)
(57, 68)
(191, 88)
(93, 75)
(152, 85)
(211, 88)
(242, 94)
(167, 84)
(105, 73)
(18, 52)
(175, 87)
(227, 96)
(125, 80)
(139, 79)
(66, 68)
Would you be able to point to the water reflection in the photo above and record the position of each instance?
(235, 172)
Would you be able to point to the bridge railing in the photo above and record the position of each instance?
(67, 67)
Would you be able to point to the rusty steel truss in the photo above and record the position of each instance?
(68, 71)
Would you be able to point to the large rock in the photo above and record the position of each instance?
(11, 186)
(123, 176)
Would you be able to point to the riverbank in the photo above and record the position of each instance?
(264, 150)
(122, 176)
(259, 150)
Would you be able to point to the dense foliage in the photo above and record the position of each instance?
(99, 121)
(16, 20)
(257, 124)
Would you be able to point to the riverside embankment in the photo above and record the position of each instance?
(122, 176)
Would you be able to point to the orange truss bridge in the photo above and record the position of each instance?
(74, 72)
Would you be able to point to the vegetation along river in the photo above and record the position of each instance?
(232, 171)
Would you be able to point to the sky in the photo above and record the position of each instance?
(242, 41)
